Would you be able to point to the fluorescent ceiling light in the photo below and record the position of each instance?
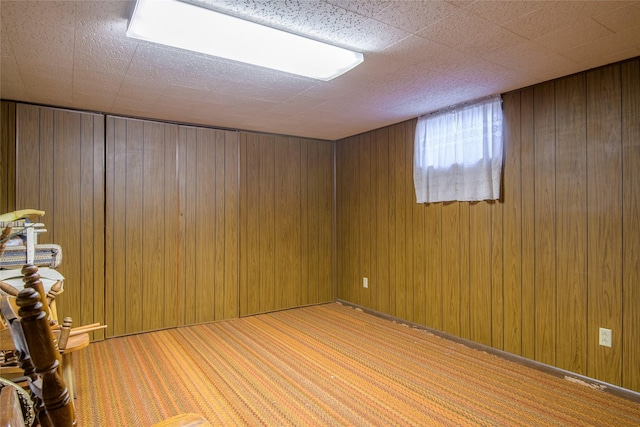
(186, 26)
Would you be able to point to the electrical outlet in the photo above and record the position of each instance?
(605, 337)
(365, 282)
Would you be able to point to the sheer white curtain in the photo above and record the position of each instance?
(458, 153)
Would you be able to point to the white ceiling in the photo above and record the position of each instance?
(419, 56)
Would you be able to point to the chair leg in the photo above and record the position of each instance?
(68, 376)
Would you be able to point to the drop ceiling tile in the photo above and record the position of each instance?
(92, 102)
(493, 40)
(139, 87)
(586, 30)
(532, 60)
(295, 105)
(455, 28)
(499, 11)
(482, 72)
(86, 82)
(23, 16)
(542, 21)
(328, 90)
(622, 19)
(366, 8)
(461, 3)
(134, 105)
(317, 20)
(414, 16)
(12, 86)
(99, 51)
(593, 8)
(5, 42)
(415, 50)
(43, 35)
(612, 46)
(48, 89)
(104, 17)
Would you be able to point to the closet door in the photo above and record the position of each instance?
(172, 225)
(286, 217)
(60, 170)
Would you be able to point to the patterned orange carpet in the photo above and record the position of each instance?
(326, 365)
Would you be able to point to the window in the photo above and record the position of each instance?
(458, 153)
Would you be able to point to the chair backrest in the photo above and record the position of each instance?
(38, 354)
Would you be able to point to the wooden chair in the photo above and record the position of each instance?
(39, 358)
(42, 361)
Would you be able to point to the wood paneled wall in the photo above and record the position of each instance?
(7, 157)
(183, 209)
(537, 273)
(286, 222)
(60, 170)
(172, 225)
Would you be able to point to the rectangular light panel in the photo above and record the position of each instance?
(190, 27)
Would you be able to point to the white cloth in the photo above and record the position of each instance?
(458, 153)
(48, 277)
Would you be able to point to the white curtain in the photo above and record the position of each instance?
(458, 153)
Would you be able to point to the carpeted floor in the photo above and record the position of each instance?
(324, 365)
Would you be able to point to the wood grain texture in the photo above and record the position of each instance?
(365, 230)
(172, 225)
(7, 157)
(65, 152)
(571, 227)
(267, 221)
(512, 217)
(545, 255)
(188, 178)
(286, 222)
(480, 273)
(321, 169)
(231, 226)
(133, 233)
(450, 268)
(604, 222)
(380, 176)
(630, 74)
(173, 231)
(538, 272)
(433, 280)
(400, 166)
(528, 236)
(27, 155)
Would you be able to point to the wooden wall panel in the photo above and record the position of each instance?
(536, 273)
(545, 256)
(59, 169)
(433, 279)
(528, 236)
(480, 273)
(182, 242)
(321, 217)
(451, 268)
(7, 157)
(365, 229)
(512, 217)
(380, 177)
(400, 166)
(604, 222)
(286, 222)
(630, 75)
(231, 280)
(172, 225)
(571, 224)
